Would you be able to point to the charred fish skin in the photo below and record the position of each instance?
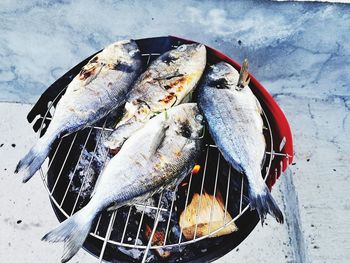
(101, 86)
(171, 144)
(233, 115)
(166, 82)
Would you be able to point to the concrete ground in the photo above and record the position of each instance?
(298, 50)
(26, 213)
(312, 193)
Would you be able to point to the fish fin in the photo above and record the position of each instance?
(73, 232)
(32, 161)
(244, 78)
(158, 138)
(264, 203)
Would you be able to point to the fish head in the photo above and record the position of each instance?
(130, 47)
(179, 70)
(187, 52)
(189, 122)
(222, 75)
(121, 56)
(182, 60)
(187, 58)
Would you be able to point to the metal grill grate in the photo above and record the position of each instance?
(212, 160)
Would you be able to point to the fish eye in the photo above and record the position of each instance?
(199, 117)
(182, 48)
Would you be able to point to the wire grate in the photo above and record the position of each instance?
(211, 174)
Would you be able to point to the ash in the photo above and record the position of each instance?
(89, 168)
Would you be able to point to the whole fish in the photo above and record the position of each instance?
(101, 85)
(166, 82)
(233, 115)
(158, 155)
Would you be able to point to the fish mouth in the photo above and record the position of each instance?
(197, 47)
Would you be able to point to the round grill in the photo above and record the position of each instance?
(150, 230)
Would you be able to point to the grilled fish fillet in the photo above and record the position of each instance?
(101, 86)
(233, 115)
(159, 155)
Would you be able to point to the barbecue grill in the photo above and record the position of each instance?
(149, 231)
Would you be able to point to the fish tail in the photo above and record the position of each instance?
(114, 140)
(32, 161)
(73, 232)
(264, 203)
(121, 133)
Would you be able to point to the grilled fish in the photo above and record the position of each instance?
(233, 115)
(158, 155)
(166, 82)
(101, 86)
